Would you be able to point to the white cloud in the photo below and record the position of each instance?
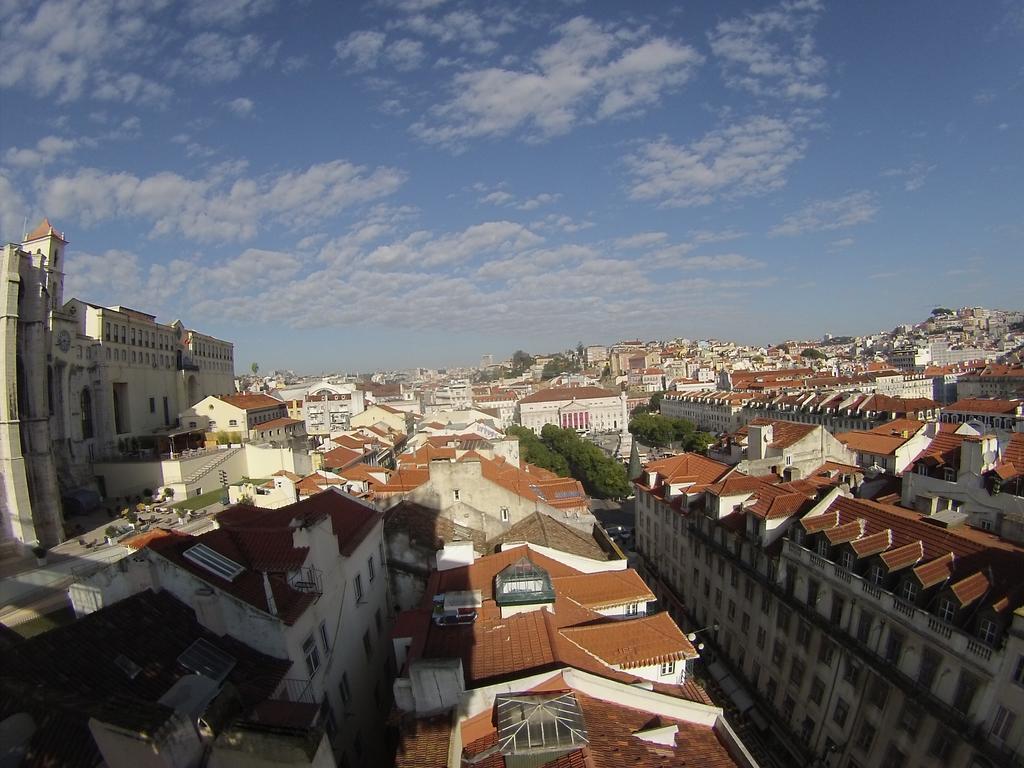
(772, 52)
(405, 54)
(590, 73)
(204, 13)
(212, 57)
(914, 175)
(13, 210)
(46, 150)
(474, 30)
(130, 87)
(217, 208)
(241, 106)
(362, 48)
(641, 240)
(56, 47)
(825, 215)
(843, 242)
(728, 261)
(749, 158)
(423, 250)
(503, 198)
(706, 236)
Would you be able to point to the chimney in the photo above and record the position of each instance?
(759, 437)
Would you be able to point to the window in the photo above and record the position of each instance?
(803, 634)
(864, 627)
(456, 494)
(987, 631)
(732, 610)
(718, 598)
(376, 620)
(504, 514)
(748, 590)
(826, 651)
(1002, 723)
(865, 737)
(930, 661)
(806, 729)
(766, 602)
(949, 474)
(894, 646)
(367, 645)
(822, 546)
(787, 707)
(770, 689)
(152, 405)
(852, 672)
(779, 652)
(812, 592)
(668, 668)
(817, 690)
(966, 687)
(85, 404)
(359, 587)
(323, 636)
(343, 689)
(946, 610)
(1018, 672)
(840, 712)
(632, 609)
(941, 745)
(876, 574)
(878, 693)
(745, 622)
(894, 758)
(721, 568)
(370, 568)
(909, 590)
(312, 655)
(838, 604)
(796, 673)
(846, 559)
(782, 620)
(734, 577)
(755, 673)
(761, 634)
(910, 718)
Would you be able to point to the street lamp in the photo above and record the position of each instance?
(692, 636)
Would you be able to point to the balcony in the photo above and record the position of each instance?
(307, 579)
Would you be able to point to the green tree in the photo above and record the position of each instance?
(559, 364)
(521, 361)
(532, 450)
(602, 476)
(813, 354)
(255, 368)
(653, 430)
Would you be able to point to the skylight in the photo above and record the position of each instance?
(214, 562)
(204, 658)
(539, 723)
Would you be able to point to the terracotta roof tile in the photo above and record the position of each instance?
(251, 402)
(935, 571)
(650, 640)
(605, 589)
(873, 544)
(901, 557)
(555, 394)
(970, 589)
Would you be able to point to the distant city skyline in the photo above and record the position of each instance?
(416, 183)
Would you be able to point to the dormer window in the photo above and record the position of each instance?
(822, 546)
(846, 559)
(877, 574)
(946, 610)
(909, 590)
(988, 630)
(949, 475)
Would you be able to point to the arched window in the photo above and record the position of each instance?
(85, 403)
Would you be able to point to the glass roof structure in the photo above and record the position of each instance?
(523, 583)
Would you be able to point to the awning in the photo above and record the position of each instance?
(758, 719)
(80, 501)
(731, 686)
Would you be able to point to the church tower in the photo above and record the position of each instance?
(46, 246)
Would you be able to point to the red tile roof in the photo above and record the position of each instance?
(555, 394)
(784, 433)
(650, 640)
(280, 423)
(985, 405)
(43, 230)
(251, 402)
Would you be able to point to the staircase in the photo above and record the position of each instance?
(211, 465)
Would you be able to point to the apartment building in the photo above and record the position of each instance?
(857, 634)
(1000, 381)
(989, 413)
(709, 410)
(243, 413)
(781, 447)
(329, 407)
(973, 476)
(305, 582)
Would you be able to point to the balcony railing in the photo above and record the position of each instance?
(297, 690)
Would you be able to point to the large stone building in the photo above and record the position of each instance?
(853, 633)
(83, 382)
(581, 408)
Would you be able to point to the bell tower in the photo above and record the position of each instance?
(46, 246)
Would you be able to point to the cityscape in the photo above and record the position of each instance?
(430, 384)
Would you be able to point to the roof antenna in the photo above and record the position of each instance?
(24, 227)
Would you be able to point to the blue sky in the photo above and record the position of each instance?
(346, 186)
